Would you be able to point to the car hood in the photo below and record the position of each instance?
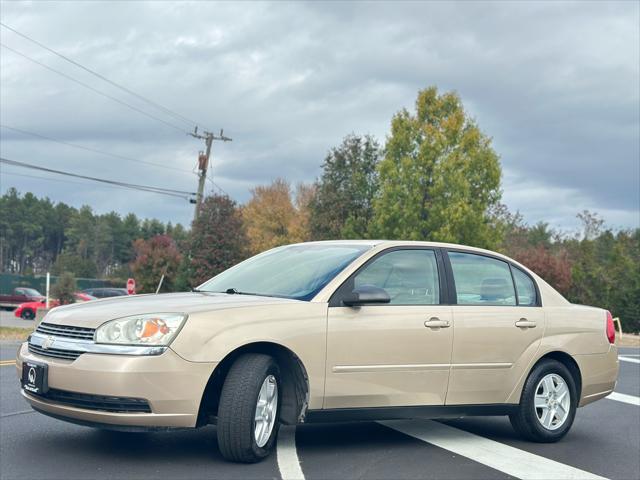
(94, 313)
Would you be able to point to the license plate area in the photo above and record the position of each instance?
(35, 377)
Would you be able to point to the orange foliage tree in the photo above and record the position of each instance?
(272, 218)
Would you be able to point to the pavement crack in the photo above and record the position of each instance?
(13, 414)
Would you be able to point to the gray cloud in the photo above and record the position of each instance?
(555, 84)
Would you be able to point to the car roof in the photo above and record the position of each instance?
(102, 288)
(384, 244)
(400, 243)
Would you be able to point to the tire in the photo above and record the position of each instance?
(528, 420)
(237, 408)
(27, 314)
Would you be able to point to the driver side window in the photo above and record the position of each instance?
(410, 277)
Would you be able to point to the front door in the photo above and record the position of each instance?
(498, 326)
(395, 354)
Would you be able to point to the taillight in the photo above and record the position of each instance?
(611, 329)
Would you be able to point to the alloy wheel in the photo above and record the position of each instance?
(552, 401)
(266, 410)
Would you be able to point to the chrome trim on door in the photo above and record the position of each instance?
(389, 368)
(473, 366)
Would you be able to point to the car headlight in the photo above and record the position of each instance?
(147, 329)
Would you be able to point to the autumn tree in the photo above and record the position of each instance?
(217, 241)
(155, 257)
(273, 218)
(440, 177)
(553, 267)
(268, 215)
(300, 228)
(343, 203)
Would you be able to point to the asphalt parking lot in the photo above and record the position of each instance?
(8, 319)
(604, 442)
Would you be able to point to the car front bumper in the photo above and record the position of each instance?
(171, 386)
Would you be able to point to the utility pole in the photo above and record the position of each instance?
(203, 162)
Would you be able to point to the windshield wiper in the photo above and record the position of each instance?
(235, 291)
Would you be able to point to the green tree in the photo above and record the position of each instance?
(218, 239)
(155, 257)
(178, 233)
(342, 206)
(75, 264)
(34, 232)
(151, 227)
(439, 178)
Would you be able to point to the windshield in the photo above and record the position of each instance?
(295, 271)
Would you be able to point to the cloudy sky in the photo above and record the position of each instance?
(557, 86)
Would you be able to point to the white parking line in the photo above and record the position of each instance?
(288, 462)
(621, 397)
(507, 459)
(628, 359)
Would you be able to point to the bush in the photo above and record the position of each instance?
(64, 289)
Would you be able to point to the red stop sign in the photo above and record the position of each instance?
(131, 286)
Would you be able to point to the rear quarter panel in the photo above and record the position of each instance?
(580, 332)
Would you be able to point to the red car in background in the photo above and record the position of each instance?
(27, 310)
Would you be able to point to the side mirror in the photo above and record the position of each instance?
(366, 294)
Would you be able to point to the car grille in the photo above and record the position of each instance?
(97, 402)
(55, 352)
(80, 333)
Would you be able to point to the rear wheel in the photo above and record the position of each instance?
(27, 314)
(548, 403)
(249, 408)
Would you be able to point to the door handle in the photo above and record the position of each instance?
(524, 323)
(435, 322)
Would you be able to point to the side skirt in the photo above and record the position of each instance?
(399, 413)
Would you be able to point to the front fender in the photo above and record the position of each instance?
(298, 326)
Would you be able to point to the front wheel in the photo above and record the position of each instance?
(548, 403)
(28, 314)
(249, 408)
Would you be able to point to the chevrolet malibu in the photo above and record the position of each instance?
(327, 331)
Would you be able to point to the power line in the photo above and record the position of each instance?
(95, 90)
(48, 179)
(102, 77)
(147, 188)
(94, 150)
(215, 185)
(113, 182)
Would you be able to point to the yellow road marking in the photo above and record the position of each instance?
(7, 362)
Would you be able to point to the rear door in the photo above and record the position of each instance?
(395, 354)
(498, 326)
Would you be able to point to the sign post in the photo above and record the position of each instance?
(46, 305)
(131, 286)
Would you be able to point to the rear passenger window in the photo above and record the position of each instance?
(525, 287)
(481, 280)
(410, 277)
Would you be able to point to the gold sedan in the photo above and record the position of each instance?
(327, 331)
